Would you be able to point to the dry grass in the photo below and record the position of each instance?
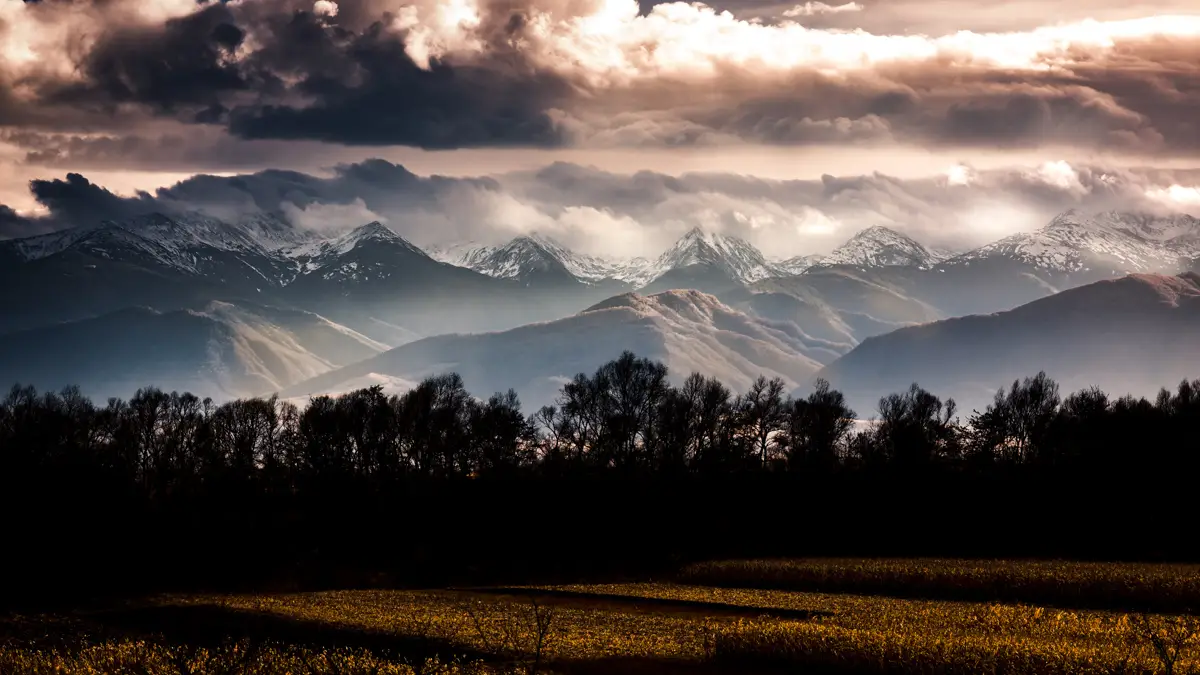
(1118, 586)
(609, 628)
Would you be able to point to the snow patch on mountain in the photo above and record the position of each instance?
(799, 264)
(535, 253)
(326, 255)
(1074, 241)
(880, 247)
(735, 256)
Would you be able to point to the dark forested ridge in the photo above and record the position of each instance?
(626, 474)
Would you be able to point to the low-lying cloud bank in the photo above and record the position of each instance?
(634, 214)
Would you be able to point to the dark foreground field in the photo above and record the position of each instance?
(889, 616)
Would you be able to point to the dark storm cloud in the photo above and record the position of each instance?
(183, 63)
(73, 201)
(535, 73)
(14, 225)
(382, 187)
(78, 200)
(299, 77)
(383, 98)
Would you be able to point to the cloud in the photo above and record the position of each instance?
(325, 8)
(78, 200)
(640, 213)
(816, 8)
(330, 217)
(13, 224)
(1177, 196)
(442, 74)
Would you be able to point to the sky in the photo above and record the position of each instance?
(611, 125)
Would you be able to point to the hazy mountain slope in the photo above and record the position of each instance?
(1131, 334)
(150, 261)
(78, 284)
(374, 281)
(223, 351)
(687, 330)
(837, 304)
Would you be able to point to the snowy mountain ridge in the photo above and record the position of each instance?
(268, 248)
(529, 254)
(1074, 241)
(194, 244)
(737, 257)
(880, 246)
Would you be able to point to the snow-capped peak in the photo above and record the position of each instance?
(536, 254)
(181, 232)
(735, 256)
(521, 259)
(880, 246)
(1153, 227)
(373, 232)
(1126, 242)
(274, 232)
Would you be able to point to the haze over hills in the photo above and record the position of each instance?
(840, 304)
(369, 278)
(389, 291)
(687, 330)
(1127, 335)
(223, 351)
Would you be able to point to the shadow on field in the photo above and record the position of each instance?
(628, 665)
(212, 625)
(584, 599)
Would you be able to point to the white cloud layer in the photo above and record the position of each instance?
(818, 8)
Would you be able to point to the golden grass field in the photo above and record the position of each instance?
(619, 628)
(1149, 587)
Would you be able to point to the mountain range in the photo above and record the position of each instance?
(1129, 335)
(477, 306)
(687, 330)
(221, 351)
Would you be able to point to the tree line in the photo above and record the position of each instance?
(166, 489)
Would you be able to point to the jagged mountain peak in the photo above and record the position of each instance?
(327, 253)
(373, 229)
(537, 256)
(373, 232)
(1121, 241)
(880, 246)
(734, 256)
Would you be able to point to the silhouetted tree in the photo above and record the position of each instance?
(1016, 427)
(916, 429)
(166, 489)
(761, 416)
(817, 429)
